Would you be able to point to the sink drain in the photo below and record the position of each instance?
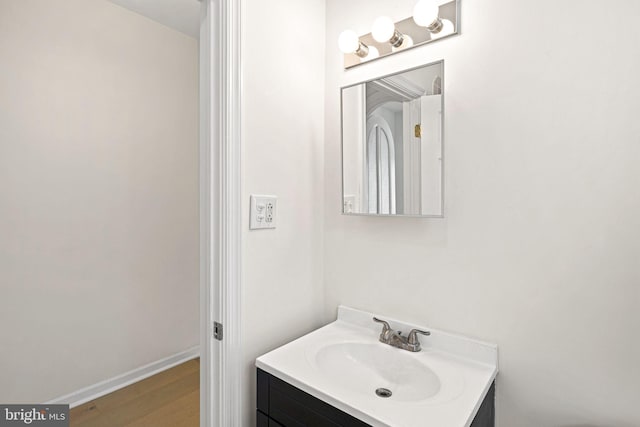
(383, 392)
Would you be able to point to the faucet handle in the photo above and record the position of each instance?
(413, 336)
(385, 327)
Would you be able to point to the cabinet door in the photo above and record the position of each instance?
(291, 407)
(293, 413)
(261, 420)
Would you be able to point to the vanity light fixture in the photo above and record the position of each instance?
(431, 21)
(407, 42)
(447, 29)
(348, 42)
(425, 14)
(373, 53)
(384, 30)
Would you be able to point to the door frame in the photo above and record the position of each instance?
(220, 213)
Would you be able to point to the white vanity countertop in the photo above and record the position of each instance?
(464, 371)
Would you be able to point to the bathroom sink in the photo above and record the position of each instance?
(345, 365)
(367, 367)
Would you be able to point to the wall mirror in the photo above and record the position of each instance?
(392, 144)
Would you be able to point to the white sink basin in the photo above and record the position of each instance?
(344, 364)
(366, 367)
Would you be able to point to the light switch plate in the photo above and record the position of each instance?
(348, 203)
(263, 212)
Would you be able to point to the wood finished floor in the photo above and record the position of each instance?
(168, 399)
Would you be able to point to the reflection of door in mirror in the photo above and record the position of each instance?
(431, 155)
(422, 152)
(411, 129)
(381, 174)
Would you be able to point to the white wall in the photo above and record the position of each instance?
(98, 195)
(282, 144)
(354, 128)
(539, 250)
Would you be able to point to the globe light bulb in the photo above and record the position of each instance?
(447, 28)
(348, 41)
(373, 54)
(425, 12)
(383, 29)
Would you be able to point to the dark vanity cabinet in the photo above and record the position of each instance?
(486, 416)
(283, 405)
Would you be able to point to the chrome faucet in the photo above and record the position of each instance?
(396, 339)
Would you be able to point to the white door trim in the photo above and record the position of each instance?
(220, 213)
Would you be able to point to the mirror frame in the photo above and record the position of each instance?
(442, 145)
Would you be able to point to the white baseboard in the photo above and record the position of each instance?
(102, 388)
